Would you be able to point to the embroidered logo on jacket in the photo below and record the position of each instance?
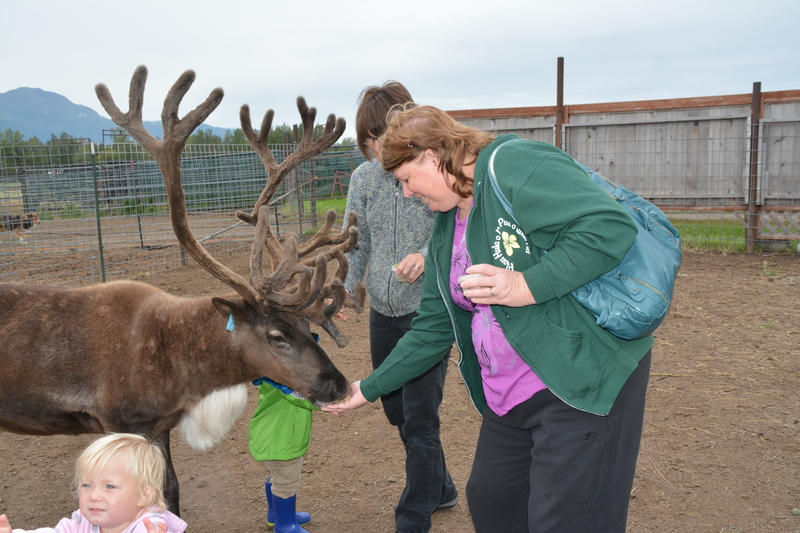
(509, 243)
(508, 238)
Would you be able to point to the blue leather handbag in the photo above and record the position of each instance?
(632, 300)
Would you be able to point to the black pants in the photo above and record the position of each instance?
(547, 467)
(414, 410)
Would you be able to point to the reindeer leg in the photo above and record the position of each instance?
(171, 493)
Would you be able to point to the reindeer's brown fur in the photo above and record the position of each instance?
(126, 356)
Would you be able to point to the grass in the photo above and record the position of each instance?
(323, 206)
(337, 204)
(722, 235)
(725, 235)
(10, 190)
(719, 234)
(768, 270)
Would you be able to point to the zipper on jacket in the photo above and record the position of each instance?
(395, 225)
(466, 243)
(456, 332)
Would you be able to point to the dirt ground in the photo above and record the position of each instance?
(720, 450)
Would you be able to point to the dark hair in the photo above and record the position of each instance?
(374, 103)
(413, 129)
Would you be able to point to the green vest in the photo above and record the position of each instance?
(280, 429)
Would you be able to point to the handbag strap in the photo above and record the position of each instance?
(607, 185)
(493, 181)
(496, 186)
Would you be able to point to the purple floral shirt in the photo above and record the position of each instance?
(507, 379)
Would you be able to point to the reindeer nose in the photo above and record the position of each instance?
(329, 388)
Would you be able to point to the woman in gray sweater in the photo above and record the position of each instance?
(394, 230)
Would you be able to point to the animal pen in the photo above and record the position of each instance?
(109, 219)
(725, 169)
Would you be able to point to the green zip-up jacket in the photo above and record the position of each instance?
(558, 208)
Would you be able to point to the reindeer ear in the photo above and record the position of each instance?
(226, 308)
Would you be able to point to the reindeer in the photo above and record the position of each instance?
(128, 357)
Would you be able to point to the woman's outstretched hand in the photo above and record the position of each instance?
(497, 286)
(355, 401)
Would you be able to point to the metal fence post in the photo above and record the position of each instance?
(752, 187)
(97, 215)
(559, 103)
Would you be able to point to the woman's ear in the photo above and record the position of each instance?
(432, 156)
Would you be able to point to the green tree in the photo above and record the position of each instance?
(64, 138)
(70, 149)
(11, 138)
(235, 137)
(282, 132)
(204, 137)
(279, 134)
(17, 153)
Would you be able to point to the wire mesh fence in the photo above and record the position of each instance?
(105, 216)
(718, 188)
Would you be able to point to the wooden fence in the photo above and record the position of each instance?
(737, 154)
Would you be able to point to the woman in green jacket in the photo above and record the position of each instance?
(562, 399)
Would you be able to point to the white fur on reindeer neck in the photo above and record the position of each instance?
(207, 423)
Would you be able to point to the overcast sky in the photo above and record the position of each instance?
(465, 54)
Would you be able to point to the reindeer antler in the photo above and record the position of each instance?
(308, 294)
(293, 286)
(167, 154)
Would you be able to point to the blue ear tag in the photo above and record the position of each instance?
(229, 327)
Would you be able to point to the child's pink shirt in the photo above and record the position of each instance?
(79, 524)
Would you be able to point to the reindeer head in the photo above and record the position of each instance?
(294, 357)
(296, 288)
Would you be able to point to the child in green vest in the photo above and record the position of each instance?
(280, 431)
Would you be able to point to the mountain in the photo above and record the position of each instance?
(39, 113)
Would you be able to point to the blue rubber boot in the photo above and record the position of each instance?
(301, 517)
(286, 515)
